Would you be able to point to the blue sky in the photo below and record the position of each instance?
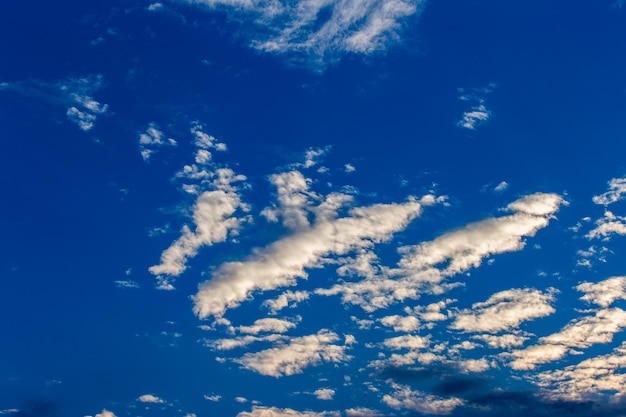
(314, 208)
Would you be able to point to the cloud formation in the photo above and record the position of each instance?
(300, 353)
(321, 30)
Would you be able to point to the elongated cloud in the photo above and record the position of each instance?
(601, 374)
(258, 411)
(280, 263)
(505, 310)
(424, 267)
(321, 29)
(580, 333)
(604, 293)
(617, 191)
(300, 353)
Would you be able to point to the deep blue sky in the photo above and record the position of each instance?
(448, 176)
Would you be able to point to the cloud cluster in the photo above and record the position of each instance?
(321, 30)
(75, 94)
(505, 310)
(215, 213)
(578, 334)
(424, 267)
(280, 263)
(300, 353)
(478, 113)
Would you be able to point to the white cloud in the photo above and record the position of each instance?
(349, 168)
(362, 412)
(401, 323)
(324, 393)
(105, 413)
(505, 341)
(149, 398)
(608, 225)
(213, 397)
(505, 310)
(76, 94)
(280, 263)
(214, 216)
(286, 299)
(267, 325)
(294, 199)
(475, 117)
(241, 400)
(617, 190)
(15, 410)
(604, 293)
(258, 411)
(242, 341)
(321, 30)
(501, 187)
(406, 342)
(127, 284)
(423, 267)
(580, 333)
(405, 398)
(151, 139)
(588, 378)
(300, 353)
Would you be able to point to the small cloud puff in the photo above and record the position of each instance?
(149, 398)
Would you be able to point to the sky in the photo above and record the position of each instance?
(313, 208)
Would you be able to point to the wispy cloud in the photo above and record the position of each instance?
(258, 411)
(76, 94)
(320, 31)
(419, 270)
(505, 310)
(300, 353)
(478, 114)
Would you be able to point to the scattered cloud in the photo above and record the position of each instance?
(604, 293)
(75, 94)
(617, 191)
(580, 333)
(127, 284)
(300, 353)
(501, 187)
(105, 413)
(349, 168)
(505, 310)
(286, 299)
(423, 268)
(404, 398)
(608, 225)
(258, 411)
(319, 32)
(152, 139)
(478, 113)
(213, 397)
(149, 398)
(324, 393)
(280, 263)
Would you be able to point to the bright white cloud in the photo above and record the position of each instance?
(149, 398)
(127, 284)
(105, 413)
(76, 94)
(504, 341)
(501, 187)
(401, 323)
(580, 333)
(362, 412)
(608, 225)
(475, 117)
(588, 378)
(617, 190)
(267, 325)
(423, 267)
(322, 29)
(505, 310)
(604, 293)
(258, 411)
(324, 393)
(152, 139)
(241, 341)
(404, 398)
(280, 263)
(300, 353)
(213, 397)
(286, 299)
